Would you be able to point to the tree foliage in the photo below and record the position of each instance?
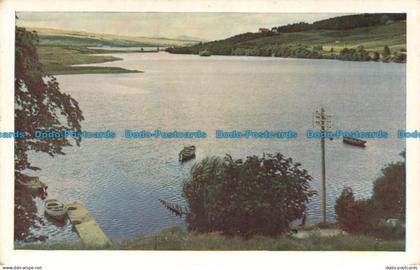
(295, 51)
(255, 196)
(39, 105)
(358, 54)
(359, 20)
(353, 215)
(386, 52)
(389, 191)
(342, 22)
(291, 28)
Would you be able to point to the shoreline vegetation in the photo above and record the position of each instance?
(366, 37)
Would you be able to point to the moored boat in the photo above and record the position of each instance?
(204, 53)
(55, 209)
(354, 141)
(187, 153)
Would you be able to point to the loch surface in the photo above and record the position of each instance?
(120, 181)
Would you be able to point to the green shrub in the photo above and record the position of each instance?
(371, 215)
(389, 191)
(353, 215)
(255, 196)
(344, 208)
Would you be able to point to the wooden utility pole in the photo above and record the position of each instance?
(322, 120)
(323, 184)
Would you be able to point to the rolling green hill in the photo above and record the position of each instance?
(59, 50)
(318, 40)
(57, 37)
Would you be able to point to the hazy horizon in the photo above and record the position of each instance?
(202, 26)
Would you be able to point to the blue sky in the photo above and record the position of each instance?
(206, 26)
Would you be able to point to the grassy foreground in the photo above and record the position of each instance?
(177, 239)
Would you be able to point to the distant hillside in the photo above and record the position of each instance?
(58, 37)
(194, 39)
(60, 50)
(343, 22)
(355, 37)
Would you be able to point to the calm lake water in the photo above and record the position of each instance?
(120, 180)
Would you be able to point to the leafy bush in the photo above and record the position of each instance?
(344, 209)
(389, 191)
(371, 215)
(255, 196)
(353, 215)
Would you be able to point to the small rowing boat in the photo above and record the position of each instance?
(187, 153)
(354, 141)
(204, 53)
(55, 209)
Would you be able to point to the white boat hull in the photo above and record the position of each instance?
(55, 209)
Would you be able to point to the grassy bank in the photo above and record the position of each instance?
(58, 60)
(177, 239)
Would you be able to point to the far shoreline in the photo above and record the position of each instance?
(297, 58)
(65, 60)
